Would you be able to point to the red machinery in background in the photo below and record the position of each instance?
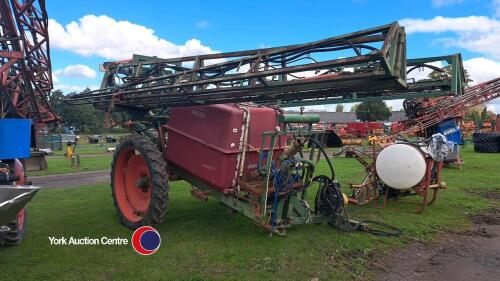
(25, 85)
(364, 129)
(354, 133)
(426, 113)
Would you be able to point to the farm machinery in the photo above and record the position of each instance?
(215, 121)
(445, 114)
(24, 88)
(427, 116)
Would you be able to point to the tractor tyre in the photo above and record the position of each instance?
(490, 137)
(139, 182)
(486, 147)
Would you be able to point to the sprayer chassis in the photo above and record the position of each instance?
(291, 208)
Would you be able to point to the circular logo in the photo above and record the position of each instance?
(146, 240)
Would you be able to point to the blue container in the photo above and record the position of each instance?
(15, 138)
(451, 130)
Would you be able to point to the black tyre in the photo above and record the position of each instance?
(485, 137)
(139, 182)
(486, 147)
(332, 139)
(486, 142)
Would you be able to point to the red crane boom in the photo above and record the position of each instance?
(25, 70)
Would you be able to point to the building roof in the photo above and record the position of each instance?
(398, 116)
(346, 117)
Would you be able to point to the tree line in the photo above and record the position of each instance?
(81, 118)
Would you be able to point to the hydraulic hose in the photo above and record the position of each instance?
(320, 147)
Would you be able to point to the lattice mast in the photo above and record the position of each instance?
(25, 71)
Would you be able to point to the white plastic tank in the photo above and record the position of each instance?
(400, 166)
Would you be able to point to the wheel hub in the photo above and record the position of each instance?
(143, 183)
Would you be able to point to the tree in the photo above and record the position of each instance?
(484, 114)
(479, 114)
(373, 111)
(80, 117)
(437, 75)
(472, 115)
(339, 108)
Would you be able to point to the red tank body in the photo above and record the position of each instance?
(208, 140)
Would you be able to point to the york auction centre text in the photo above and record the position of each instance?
(78, 241)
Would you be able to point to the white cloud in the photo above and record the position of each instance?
(73, 88)
(76, 71)
(441, 3)
(106, 37)
(442, 24)
(203, 24)
(478, 34)
(482, 69)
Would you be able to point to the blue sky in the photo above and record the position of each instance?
(86, 33)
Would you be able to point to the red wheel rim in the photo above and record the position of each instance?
(21, 216)
(132, 184)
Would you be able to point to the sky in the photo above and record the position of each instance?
(86, 33)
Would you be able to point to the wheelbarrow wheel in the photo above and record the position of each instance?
(139, 182)
(17, 227)
(17, 230)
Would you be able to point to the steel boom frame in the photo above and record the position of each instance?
(25, 69)
(264, 76)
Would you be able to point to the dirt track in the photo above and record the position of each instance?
(468, 255)
(71, 180)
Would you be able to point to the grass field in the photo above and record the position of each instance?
(63, 165)
(203, 241)
(87, 148)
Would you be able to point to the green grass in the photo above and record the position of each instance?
(202, 241)
(63, 165)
